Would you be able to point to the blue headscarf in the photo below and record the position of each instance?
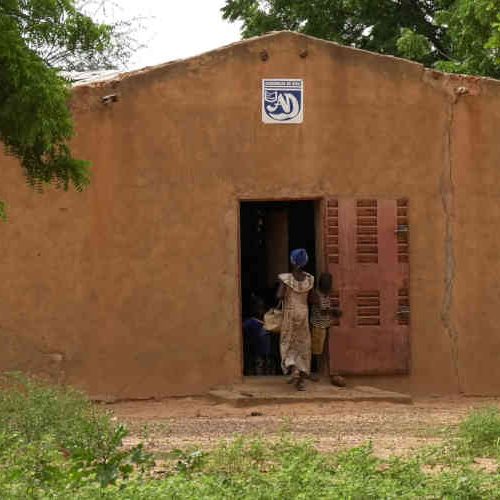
(299, 257)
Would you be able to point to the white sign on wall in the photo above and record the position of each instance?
(282, 100)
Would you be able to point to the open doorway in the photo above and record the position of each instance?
(268, 232)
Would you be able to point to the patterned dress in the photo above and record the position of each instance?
(295, 342)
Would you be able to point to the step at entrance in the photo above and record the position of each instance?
(275, 390)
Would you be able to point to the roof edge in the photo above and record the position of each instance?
(108, 76)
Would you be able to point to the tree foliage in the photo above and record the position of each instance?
(38, 38)
(113, 50)
(461, 36)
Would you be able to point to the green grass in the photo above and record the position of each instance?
(54, 444)
(479, 433)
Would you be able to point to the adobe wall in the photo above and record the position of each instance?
(130, 289)
(475, 219)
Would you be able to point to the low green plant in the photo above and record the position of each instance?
(55, 444)
(259, 469)
(479, 433)
(51, 433)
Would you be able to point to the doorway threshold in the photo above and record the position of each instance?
(274, 390)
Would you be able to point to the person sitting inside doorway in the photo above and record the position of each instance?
(322, 314)
(256, 340)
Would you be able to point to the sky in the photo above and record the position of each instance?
(175, 29)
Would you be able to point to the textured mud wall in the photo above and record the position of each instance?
(475, 178)
(131, 288)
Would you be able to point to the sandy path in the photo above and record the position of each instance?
(198, 422)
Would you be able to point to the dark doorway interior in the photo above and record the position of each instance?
(269, 231)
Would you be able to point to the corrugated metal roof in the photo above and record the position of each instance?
(86, 77)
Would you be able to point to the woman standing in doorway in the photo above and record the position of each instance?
(296, 292)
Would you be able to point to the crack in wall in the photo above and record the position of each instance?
(454, 87)
(447, 198)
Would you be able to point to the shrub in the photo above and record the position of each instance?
(50, 434)
(479, 433)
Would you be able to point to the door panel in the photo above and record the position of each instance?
(367, 252)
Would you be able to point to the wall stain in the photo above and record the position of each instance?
(447, 191)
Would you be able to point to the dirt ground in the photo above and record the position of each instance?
(187, 423)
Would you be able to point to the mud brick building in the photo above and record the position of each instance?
(206, 172)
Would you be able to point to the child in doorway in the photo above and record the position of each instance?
(257, 341)
(322, 314)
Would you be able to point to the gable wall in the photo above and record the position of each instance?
(130, 289)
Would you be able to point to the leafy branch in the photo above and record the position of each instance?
(38, 39)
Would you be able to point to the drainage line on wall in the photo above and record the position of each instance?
(447, 199)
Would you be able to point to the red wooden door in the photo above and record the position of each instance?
(367, 252)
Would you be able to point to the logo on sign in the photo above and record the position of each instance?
(282, 101)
